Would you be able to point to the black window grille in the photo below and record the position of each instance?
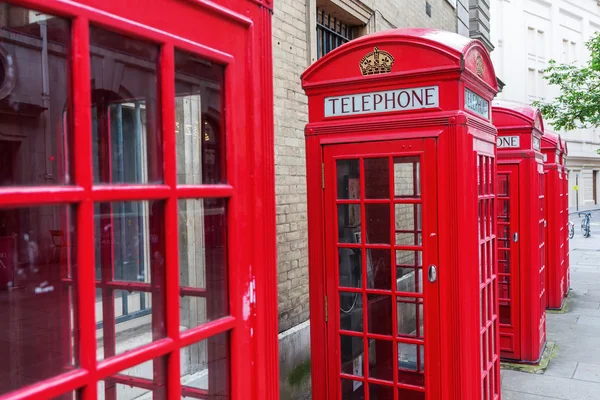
(332, 33)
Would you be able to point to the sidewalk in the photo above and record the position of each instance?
(574, 374)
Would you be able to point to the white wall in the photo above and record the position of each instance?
(528, 33)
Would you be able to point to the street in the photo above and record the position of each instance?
(574, 374)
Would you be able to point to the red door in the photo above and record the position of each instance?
(508, 260)
(381, 258)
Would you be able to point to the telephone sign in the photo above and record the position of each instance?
(504, 142)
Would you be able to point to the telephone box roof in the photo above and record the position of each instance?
(550, 140)
(507, 113)
(424, 50)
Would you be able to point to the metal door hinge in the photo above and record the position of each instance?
(322, 175)
(326, 310)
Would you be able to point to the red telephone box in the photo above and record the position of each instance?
(402, 252)
(555, 254)
(565, 213)
(137, 205)
(521, 231)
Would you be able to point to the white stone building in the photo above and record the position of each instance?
(527, 34)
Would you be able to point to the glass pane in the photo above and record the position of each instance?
(35, 144)
(407, 177)
(146, 380)
(202, 261)
(381, 359)
(410, 317)
(350, 267)
(199, 120)
(409, 273)
(130, 269)
(352, 351)
(349, 223)
(37, 299)
(351, 317)
(408, 224)
(205, 369)
(407, 357)
(407, 394)
(379, 269)
(380, 314)
(126, 141)
(352, 390)
(380, 391)
(377, 178)
(378, 223)
(348, 179)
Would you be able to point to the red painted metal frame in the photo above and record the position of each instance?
(555, 249)
(423, 57)
(516, 119)
(252, 323)
(565, 213)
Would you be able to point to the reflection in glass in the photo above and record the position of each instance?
(352, 354)
(408, 224)
(352, 390)
(351, 317)
(348, 179)
(410, 318)
(349, 223)
(409, 274)
(126, 144)
(38, 318)
(199, 120)
(380, 314)
(407, 177)
(381, 359)
(150, 382)
(35, 140)
(377, 178)
(377, 223)
(379, 271)
(202, 261)
(130, 266)
(205, 369)
(350, 267)
(381, 391)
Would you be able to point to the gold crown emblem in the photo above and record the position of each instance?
(376, 62)
(479, 66)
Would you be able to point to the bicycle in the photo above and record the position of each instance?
(585, 224)
(571, 227)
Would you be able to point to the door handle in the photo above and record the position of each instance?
(432, 273)
(515, 237)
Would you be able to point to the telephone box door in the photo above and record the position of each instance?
(381, 270)
(508, 261)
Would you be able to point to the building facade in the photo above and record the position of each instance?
(304, 31)
(527, 34)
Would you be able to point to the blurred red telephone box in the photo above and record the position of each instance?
(401, 173)
(555, 242)
(521, 231)
(565, 213)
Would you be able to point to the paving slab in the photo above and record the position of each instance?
(550, 386)
(561, 368)
(587, 372)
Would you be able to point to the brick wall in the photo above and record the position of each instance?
(291, 53)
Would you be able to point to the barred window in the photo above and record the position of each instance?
(332, 32)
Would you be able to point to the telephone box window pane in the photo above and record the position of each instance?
(381, 359)
(126, 138)
(380, 314)
(409, 273)
(378, 223)
(349, 223)
(350, 267)
(408, 354)
(408, 225)
(351, 317)
(407, 177)
(199, 120)
(379, 269)
(377, 178)
(352, 353)
(348, 179)
(35, 140)
(38, 298)
(353, 390)
(202, 261)
(130, 270)
(380, 391)
(410, 318)
(146, 380)
(205, 369)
